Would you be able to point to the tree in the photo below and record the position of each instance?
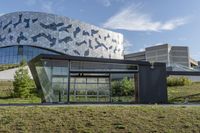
(23, 84)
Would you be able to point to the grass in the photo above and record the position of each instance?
(8, 83)
(6, 90)
(100, 119)
(188, 93)
(8, 66)
(11, 100)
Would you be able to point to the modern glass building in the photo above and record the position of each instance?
(72, 79)
(82, 62)
(89, 79)
(24, 35)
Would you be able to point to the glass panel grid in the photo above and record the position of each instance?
(98, 66)
(88, 89)
(54, 87)
(15, 54)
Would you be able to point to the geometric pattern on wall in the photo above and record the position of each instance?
(60, 34)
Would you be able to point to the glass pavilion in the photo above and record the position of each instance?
(73, 79)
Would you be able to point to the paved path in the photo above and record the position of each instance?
(90, 104)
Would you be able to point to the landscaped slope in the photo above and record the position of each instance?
(6, 95)
(9, 66)
(103, 119)
(188, 93)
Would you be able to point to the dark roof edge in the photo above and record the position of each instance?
(92, 59)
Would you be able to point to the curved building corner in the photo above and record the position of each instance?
(24, 35)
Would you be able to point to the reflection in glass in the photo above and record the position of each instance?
(89, 89)
(57, 78)
(100, 66)
(53, 76)
(15, 54)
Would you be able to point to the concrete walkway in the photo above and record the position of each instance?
(98, 105)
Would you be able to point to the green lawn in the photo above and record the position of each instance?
(19, 100)
(189, 93)
(100, 119)
(6, 90)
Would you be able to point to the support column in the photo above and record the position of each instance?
(136, 83)
(68, 86)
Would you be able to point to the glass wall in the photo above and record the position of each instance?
(101, 82)
(79, 81)
(123, 88)
(101, 67)
(15, 54)
(89, 87)
(53, 78)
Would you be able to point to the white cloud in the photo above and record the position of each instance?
(134, 20)
(172, 24)
(127, 46)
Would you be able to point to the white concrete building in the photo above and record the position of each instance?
(171, 55)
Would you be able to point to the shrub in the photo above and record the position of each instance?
(178, 81)
(127, 86)
(124, 87)
(116, 88)
(24, 86)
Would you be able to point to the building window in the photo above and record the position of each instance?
(15, 54)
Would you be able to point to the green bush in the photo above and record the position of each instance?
(24, 86)
(178, 81)
(124, 87)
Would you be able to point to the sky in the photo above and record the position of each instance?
(143, 23)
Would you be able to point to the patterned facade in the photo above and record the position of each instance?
(59, 34)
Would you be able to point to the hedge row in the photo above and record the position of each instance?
(178, 81)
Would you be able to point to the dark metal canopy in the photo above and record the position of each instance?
(91, 59)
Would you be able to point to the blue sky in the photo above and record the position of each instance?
(142, 22)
